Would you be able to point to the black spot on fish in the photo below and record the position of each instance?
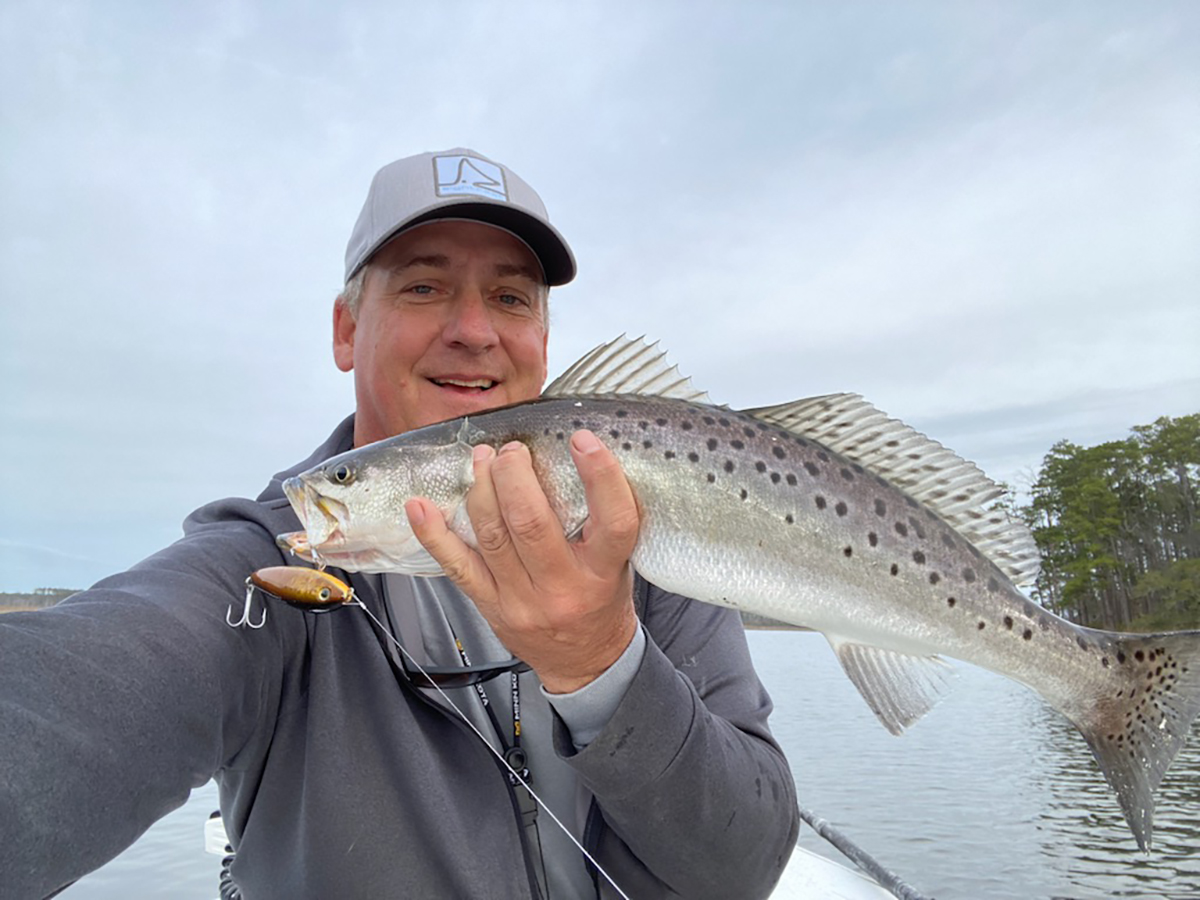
(743, 493)
(711, 477)
(901, 529)
(847, 474)
(660, 422)
(848, 552)
(546, 432)
(1139, 655)
(647, 444)
(812, 468)
(1027, 634)
(880, 508)
(1104, 661)
(712, 443)
(918, 557)
(615, 434)
(685, 425)
(947, 540)
(857, 468)
(643, 425)
(729, 465)
(709, 420)
(668, 454)
(791, 479)
(724, 422)
(559, 435)
(1083, 644)
(895, 569)
(968, 575)
(621, 413)
(694, 457)
(627, 446)
(578, 423)
(748, 432)
(911, 502)
(1008, 622)
(799, 440)
(820, 502)
(779, 452)
(790, 519)
(934, 577)
(993, 585)
(776, 478)
(760, 466)
(981, 626)
(1120, 657)
(841, 509)
(873, 539)
(737, 445)
(822, 456)
(917, 527)
(950, 601)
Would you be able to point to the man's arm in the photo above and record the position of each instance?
(118, 701)
(698, 797)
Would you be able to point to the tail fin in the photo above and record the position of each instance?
(1136, 734)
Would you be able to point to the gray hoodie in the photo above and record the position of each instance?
(338, 778)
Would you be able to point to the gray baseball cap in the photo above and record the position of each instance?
(456, 184)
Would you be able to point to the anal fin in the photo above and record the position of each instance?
(899, 687)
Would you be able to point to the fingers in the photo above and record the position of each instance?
(460, 563)
(518, 533)
(611, 530)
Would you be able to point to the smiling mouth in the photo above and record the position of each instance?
(471, 384)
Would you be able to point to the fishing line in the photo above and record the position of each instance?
(386, 632)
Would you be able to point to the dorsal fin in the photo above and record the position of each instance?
(928, 472)
(625, 366)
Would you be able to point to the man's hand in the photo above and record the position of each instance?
(566, 608)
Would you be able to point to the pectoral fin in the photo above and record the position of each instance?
(899, 687)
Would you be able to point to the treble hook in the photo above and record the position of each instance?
(245, 619)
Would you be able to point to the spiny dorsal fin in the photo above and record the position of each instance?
(625, 366)
(928, 472)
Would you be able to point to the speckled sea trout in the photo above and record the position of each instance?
(822, 513)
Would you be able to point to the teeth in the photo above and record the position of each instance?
(483, 383)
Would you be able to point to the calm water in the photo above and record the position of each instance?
(990, 797)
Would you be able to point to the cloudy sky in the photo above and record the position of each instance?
(983, 216)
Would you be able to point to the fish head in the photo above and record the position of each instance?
(352, 506)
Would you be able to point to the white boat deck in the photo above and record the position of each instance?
(809, 875)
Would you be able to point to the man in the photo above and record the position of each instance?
(341, 773)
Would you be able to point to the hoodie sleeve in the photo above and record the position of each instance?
(697, 798)
(118, 701)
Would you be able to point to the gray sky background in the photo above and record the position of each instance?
(983, 216)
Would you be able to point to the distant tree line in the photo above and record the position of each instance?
(1116, 527)
(39, 598)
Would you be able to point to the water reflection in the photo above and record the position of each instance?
(991, 797)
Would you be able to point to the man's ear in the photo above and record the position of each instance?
(344, 326)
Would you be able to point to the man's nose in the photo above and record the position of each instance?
(470, 322)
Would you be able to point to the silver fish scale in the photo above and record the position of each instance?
(733, 505)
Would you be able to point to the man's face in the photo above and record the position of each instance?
(450, 323)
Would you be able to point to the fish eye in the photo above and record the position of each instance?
(324, 594)
(342, 474)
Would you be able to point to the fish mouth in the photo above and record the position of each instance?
(323, 517)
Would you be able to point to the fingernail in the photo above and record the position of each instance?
(585, 442)
(512, 447)
(482, 452)
(415, 512)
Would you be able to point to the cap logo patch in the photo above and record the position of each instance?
(469, 175)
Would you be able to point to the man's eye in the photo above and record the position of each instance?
(513, 300)
(423, 289)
